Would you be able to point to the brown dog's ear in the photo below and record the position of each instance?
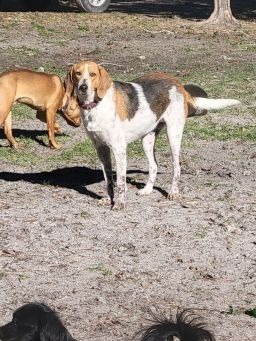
(104, 82)
(69, 82)
(69, 88)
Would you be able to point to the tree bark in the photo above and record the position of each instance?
(222, 14)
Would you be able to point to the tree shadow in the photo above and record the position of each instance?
(187, 9)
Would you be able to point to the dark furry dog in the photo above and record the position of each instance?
(187, 327)
(35, 322)
(38, 322)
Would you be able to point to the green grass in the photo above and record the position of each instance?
(42, 30)
(23, 52)
(214, 131)
(251, 312)
(23, 112)
(22, 157)
(82, 151)
(83, 28)
(103, 269)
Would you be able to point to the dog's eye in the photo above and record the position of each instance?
(14, 321)
(78, 73)
(92, 74)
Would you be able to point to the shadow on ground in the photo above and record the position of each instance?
(76, 178)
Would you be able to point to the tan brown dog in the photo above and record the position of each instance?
(41, 91)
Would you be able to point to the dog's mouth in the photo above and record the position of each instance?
(87, 105)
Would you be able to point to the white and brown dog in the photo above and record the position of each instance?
(117, 113)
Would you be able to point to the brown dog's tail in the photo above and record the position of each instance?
(187, 327)
(199, 103)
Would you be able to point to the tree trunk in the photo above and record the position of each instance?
(222, 14)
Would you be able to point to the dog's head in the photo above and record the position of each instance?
(71, 110)
(89, 81)
(34, 322)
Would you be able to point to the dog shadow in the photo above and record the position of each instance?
(75, 178)
(34, 135)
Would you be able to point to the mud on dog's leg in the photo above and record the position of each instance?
(120, 157)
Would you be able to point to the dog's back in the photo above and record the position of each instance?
(27, 84)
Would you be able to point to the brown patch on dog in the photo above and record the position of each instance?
(126, 99)
(156, 86)
(102, 82)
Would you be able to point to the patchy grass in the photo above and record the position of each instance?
(22, 157)
(251, 312)
(213, 131)
(23, 112)
(82, 151)
(43, 30)
(103, 269)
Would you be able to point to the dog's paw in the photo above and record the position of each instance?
(105, 202)
(145, 191)
(118, 206)
(15, 145)
(55, 146)
(173, 195)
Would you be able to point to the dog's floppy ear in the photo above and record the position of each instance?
(69, 82)
(104, 82)
(52, 329)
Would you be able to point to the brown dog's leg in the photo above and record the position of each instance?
(8, 131)
(41, 115)
(50, 118)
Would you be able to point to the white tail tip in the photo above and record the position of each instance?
(211, 104)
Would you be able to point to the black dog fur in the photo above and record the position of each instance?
(35, 322)
(187, 327)
(38, 322)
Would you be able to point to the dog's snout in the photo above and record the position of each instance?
(83, 88)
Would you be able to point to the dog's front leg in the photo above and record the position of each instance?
(50, 118)
(105, 158)
(120, 157)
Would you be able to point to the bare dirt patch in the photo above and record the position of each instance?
(101, 269)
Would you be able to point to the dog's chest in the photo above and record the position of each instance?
(100, 124)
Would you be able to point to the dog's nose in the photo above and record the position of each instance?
(83, 88)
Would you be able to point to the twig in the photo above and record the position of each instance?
(157, 32)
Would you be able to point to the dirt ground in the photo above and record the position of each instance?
(101, 269)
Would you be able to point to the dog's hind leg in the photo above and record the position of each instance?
(175, 121)
(148, 143)
(105, 158)
(8, 131)
(41, 115)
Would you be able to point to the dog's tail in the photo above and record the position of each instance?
(199, 103)
(211, 104)
(187, 327)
